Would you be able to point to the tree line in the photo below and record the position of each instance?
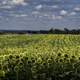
(50, 31)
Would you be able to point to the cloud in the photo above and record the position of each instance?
(72, 13)
(53, 17)
(6, 7)
(38, 7)
(56, 17)
(63, 12)
(35, 12)
(77, 8)
(19, 15)
(4, 2)
(46, 15)
(12, 2)
(7, 4)
(22, 2)
(54, 6)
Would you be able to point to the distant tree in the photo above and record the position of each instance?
(66, 31)
(58, 31)
(51, 30)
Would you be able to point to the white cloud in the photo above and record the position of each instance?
(11, 3)
(19, 15)
(72, 13)
(22, 2)
(77, 8)
(46, 15)
(54, 6)
(59, 17)
(35, 12)
(22, 15)
(6, 7)
(56, 17)
(49, 16)
(4, 2)
(17, 1)
(63, 12)
(38, 7)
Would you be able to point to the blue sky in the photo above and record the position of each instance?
(39, 14)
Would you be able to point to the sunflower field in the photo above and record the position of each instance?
(39, 57)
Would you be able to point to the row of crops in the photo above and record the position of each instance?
(39, 57)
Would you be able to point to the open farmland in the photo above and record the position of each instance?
(39, 57)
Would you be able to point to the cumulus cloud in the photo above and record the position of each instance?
(77, 8)
(22, 2)
(53, 17)
(18, 15)
(6, 7)
(72, 13)
(54, 6)
(38, 7)
(46, 15)
(35, 12)
(21, 15)
(63, 12)
(56, 17)
(12, 2)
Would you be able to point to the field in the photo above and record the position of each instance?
(39, 57)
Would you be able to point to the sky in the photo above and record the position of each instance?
(39, 14)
